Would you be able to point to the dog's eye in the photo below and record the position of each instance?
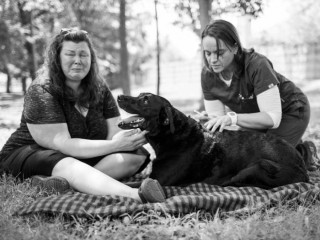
(145, 100)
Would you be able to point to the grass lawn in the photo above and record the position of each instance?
(277, 222)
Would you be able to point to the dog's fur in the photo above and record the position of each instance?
(187, 153)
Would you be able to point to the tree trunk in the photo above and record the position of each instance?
(158, 47)
(33, 60)
(7, 71)
(24, 84)
(124, 66)
(26, 19)
(8, 83)
(5, 52)
(204, 9)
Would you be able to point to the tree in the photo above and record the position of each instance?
(158, 47)
(196, 13)
(204, 10)
(101, 19)
(35, 14)
(31, 23)
(299, 24)
(5, 52)
(7, 47)
(124, 67)
(27, 22)
(112, 27)
(26, 18)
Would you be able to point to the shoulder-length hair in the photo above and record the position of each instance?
(226, 32)
(92, 82)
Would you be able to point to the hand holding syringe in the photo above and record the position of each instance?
(201, 116)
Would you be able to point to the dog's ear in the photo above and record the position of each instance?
(169, 119)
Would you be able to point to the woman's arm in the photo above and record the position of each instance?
(112, 127)
(214, 108)
(57, 137)
(269, 116)
(269, 101)
(259, 120)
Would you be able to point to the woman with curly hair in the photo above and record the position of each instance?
(68, 134)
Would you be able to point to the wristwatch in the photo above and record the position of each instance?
(234, 118)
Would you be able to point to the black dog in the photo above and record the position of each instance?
(187, 153)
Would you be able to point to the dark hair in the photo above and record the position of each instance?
(226, 32)
(91, 84)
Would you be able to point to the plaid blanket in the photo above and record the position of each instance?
(180, 200)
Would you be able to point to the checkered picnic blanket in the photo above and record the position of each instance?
(180, 200)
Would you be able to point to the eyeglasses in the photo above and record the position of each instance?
(74, 30)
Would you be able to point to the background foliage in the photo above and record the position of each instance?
(26, 26)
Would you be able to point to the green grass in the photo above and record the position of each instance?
(278, 222)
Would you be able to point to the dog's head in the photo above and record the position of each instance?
(152, 113)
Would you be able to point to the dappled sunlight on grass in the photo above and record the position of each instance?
(277, 222)
(282, 221)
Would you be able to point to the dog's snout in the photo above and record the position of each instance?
(120, 97)
(123, 99)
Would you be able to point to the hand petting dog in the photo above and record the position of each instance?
(186, 152)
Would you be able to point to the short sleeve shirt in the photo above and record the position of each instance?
(256, 77)
(42, 105)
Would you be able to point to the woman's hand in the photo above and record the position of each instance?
(200, 117)
(130, 140)
(219, 121)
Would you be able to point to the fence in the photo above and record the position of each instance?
(297, 62)
(181, 79)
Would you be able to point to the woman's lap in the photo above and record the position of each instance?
(32, 160)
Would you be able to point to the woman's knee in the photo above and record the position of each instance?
(121, 164)
(127, 158)
(64, 166)
(137, 161)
